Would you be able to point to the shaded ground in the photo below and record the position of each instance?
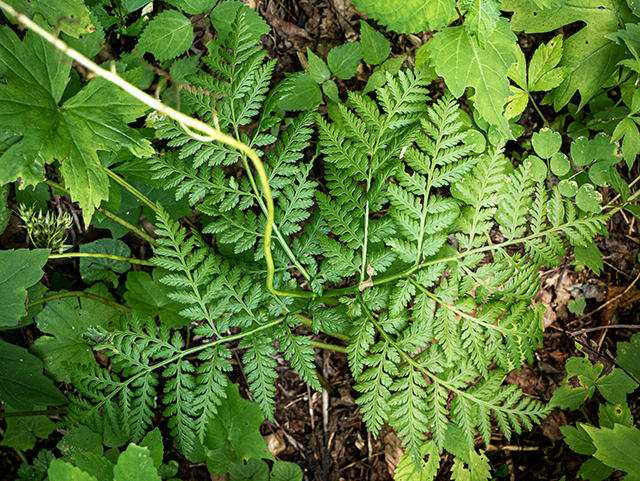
(325, 435)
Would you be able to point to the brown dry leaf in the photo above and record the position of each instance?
(392, 450)
(551, 425)
(275, 443)
(625, 300)
(286, 29)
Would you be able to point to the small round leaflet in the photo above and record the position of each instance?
(568, 187)
(476, 141)
(546, 142)
(560, 164)
(588, 199)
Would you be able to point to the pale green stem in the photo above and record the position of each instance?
(113, 217)
(85, 294)
(330, 347)
(307, 322)
(185, 122)
(130, 260)
(131, 189)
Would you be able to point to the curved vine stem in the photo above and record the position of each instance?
(131, 189)
(130, 260)
(186, 122)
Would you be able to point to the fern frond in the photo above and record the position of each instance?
(298, 351)
(261, 374)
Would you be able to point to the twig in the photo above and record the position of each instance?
(600, 328)
(613, 299)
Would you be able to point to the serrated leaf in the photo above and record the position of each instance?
(516, 103)
(615, 386)
(224, 15)
(193, 7)
(36, 76)
(578, 439)
(629, 355)
(410, 16)
(610, 414)
(19, 269)
(60, 470)
(375, 48)
(482, 18)
(344, 59)
(628, 129)
(590, 56)
(22, 384)
(234, 434)
(284, 471)
(135, 464)
(21, 432)
(317, 68)
(66, 320)
(99, 268)
(463, 63)
(301, 93)
(149, 297)
(74, 10)
(168, 35)
(618, 448)
(594, 470)
(425, 469)
(546, 142)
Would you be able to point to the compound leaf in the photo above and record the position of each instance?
(148, 298)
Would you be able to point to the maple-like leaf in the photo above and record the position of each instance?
(34, 77)
(463, 63)
(410, 16)
(589, 54)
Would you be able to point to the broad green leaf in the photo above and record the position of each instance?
(629, 355)
(376, 80)
(88, 44)
(546, 142)
(628, 129)
(578, 439)
(19, 269)
(518, 71)
(194, 7)
(302, 93)
(476, 141)
(63, 471)
(36, 76)
(317, 68)
(560, 164)
(410, 16)
(594, 470)
(234, 434)
(168, 35)
(148, 298)
(477, 470)
(77, 21)
(610, 414)
(516, 103)
(589, 199)
(131, 6)
(344, 59)
(570, 397)
(34, 196)
(284, 471)
(21, 432)
(22, 383)
(153, 441)
(135, 464)
(223, 16)
(80, 439)
(330, 89)
(629, 36)
(463, 63)
(375, 48)
(537, 168)
(577, 306)
(95, 465)
(254, 470)
(589, 256)
(615, 386)
(582, 152)
(66, 320)
(5, 213)
(590, 57)
(428, 470)
(618, 448)
(98, 268)
(482, 18)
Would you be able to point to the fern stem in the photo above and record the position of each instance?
(85, 294)
(186, 122)
(307, 322)
(20, 414)
(113, 217)
(183, 354)
(330, 347)
(131, 189)
(130, 260)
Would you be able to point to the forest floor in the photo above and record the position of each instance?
(324, 433)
